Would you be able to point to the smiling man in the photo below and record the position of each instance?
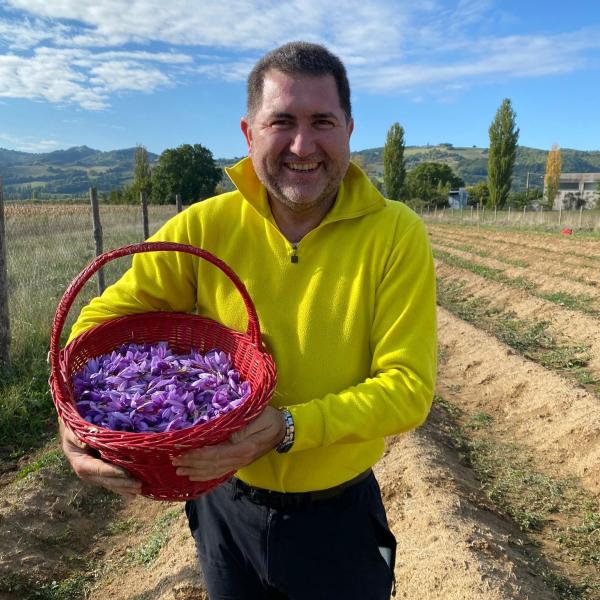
(343, 283)
(298, 140)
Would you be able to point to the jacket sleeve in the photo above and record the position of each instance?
(156, 281)
(398, 394)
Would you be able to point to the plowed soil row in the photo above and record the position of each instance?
(544, 282)
(565, 267)
(587, 249)
(572, 327)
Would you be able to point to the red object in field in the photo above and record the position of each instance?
(566, 231)
(147, 456)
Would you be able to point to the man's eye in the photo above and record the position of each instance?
(324, 124)
(281, 124)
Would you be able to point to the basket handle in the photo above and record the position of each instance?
(253, 330)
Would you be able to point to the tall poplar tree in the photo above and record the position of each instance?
(142, 173)
(552, 177)
(394, 169)
(504, 136)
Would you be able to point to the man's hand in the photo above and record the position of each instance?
(242, 448)
(96, 471)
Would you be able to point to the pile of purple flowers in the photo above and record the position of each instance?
(148, 388)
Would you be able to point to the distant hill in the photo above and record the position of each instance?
(471, 163)
(66, 172)
(72, 171)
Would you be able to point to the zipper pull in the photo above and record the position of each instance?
(294, 257)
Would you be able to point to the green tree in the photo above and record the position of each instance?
(142, 173)
(394, 169)
(430, 182)
(478, 194)
(187, 170)
(504, 136)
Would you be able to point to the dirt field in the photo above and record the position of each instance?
(496, 497)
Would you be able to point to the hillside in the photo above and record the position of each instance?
(65, 172)
(471, 163)
(72, 171)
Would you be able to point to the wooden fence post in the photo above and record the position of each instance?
(4, 316)
(144, 202)
(180, 208)
(580, 216)
(97, 234)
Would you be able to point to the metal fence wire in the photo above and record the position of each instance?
(47, 245)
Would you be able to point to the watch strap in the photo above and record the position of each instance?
(288, 439)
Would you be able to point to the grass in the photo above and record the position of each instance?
(128, 525)
(74, 587)
(46, 247)
(53, 459)
(530, 223)
(160, 534)
(27, 417)
(581, 303)
(551, 509)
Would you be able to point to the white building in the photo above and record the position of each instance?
(577, 189)
(458, 198)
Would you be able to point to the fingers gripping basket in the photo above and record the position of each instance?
(147, 456)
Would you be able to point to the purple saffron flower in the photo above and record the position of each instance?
(149, 388)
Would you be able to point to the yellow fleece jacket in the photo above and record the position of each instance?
(351, 324)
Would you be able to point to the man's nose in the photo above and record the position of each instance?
(303, 141)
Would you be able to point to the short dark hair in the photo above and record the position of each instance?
(302, 58)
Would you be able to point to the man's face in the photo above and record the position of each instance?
(298, 140)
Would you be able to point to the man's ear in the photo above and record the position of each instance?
(247, 131)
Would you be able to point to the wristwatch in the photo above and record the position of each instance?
(288, 439)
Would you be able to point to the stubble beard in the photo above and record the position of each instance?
(295, 201)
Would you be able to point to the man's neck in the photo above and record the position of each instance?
(295, 225)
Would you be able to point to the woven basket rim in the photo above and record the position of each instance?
(101, 434)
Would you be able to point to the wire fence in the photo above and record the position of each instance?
(544, 220)
(47, 245)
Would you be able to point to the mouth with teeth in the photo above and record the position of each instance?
(302, 167)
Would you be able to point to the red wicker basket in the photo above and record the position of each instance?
(147, 456)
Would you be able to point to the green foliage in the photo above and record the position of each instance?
(394, 170)
(525, 198)
(125, 195)
(147, 553)
(504, 136)
(187, 170)
(27, 415)
(478, 194)
(430, 182)
(142, 173)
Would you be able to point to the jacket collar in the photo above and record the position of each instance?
(356, 197)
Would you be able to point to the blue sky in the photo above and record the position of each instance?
(115, 73)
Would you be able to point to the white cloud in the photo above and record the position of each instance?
(84, 51)
(29, 144)
(68, 75)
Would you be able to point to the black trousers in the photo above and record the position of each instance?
(313, 550)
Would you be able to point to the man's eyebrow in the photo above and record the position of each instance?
(319, 115)
(325, 115)
(282, 115)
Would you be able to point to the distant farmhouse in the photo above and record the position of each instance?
(576, 190)
(458, 198)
